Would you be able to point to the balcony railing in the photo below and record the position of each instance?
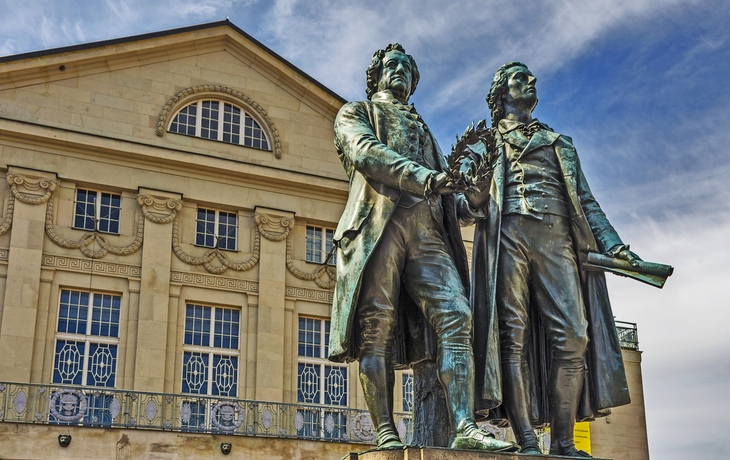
(628, 336)
(102, 407)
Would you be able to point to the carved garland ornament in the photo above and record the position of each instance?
(83, 243)
(161, 211)
(173, 102)
(281, 232)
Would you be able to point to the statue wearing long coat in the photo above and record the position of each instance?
(605, 385)
(373, 139)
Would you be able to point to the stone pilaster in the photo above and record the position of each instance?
(159, 209)
(30, 190)
(42, 346)
(274, 226)
(172, 329)
(130, 345)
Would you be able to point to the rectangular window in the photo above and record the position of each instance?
(97, 211)
(320, 381)
(216, 229)
(319, 245)
(87, 339)
(211, 350)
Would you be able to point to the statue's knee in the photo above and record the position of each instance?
(573, 347)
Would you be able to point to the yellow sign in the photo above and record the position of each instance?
(582, 436)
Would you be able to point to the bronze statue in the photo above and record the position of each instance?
(546, 335)
(402, 278)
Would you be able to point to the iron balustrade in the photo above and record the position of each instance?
(628, 335)
(53, 404)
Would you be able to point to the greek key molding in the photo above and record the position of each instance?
(4, 254)
(91, 266)
(168, 207)
(174, 101)
(312, 295)
(218, 282)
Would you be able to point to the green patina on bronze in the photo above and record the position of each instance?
(401, 264)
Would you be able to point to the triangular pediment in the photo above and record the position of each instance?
(93, 58)
(130, 89)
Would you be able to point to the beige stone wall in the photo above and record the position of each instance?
(94, 125)
(622, 435)
(37, 442)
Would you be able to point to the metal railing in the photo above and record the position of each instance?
(101, 407)
(628, 336)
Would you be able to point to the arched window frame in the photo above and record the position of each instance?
(226, 95)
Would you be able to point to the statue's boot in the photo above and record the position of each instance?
(516, 391)
(377, 378)
(456, 373)
(566, 383)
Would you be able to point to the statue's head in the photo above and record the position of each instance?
(514, 84)
(393, 69)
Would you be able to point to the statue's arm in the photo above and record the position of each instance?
(606, 236)
(355, 138)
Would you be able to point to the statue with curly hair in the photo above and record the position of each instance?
(401, 296)
(547, 348)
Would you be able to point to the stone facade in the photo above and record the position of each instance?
(97, 119)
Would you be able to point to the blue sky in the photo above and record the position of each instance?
(640, 85)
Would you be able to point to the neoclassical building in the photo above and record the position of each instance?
(166, 269)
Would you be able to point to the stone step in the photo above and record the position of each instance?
(436, 453)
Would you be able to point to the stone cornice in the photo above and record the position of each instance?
(115, 151)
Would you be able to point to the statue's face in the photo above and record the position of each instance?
(522, 93)
(397, 74)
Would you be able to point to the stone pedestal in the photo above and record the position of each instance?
(437, 453)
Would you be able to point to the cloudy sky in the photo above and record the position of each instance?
(642, 86)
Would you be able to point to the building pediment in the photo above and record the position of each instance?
(93, 58)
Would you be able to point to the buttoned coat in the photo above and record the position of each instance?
(373, 139)
(605, 384)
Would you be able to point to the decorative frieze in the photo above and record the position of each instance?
(88, 238)
(217, 282)
(273, 229)
(312, 295)
(91, 266)
(159, 211)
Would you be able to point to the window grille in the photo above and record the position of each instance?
(319, 245)
(211, 350)
(319, 381)
(216, 229)
(97, 211)
(87, 339)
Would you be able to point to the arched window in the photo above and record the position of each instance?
(221, 121)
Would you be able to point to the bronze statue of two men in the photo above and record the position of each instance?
(516, 342)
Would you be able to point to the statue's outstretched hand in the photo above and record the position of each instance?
(478, 194)
(442, 184)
